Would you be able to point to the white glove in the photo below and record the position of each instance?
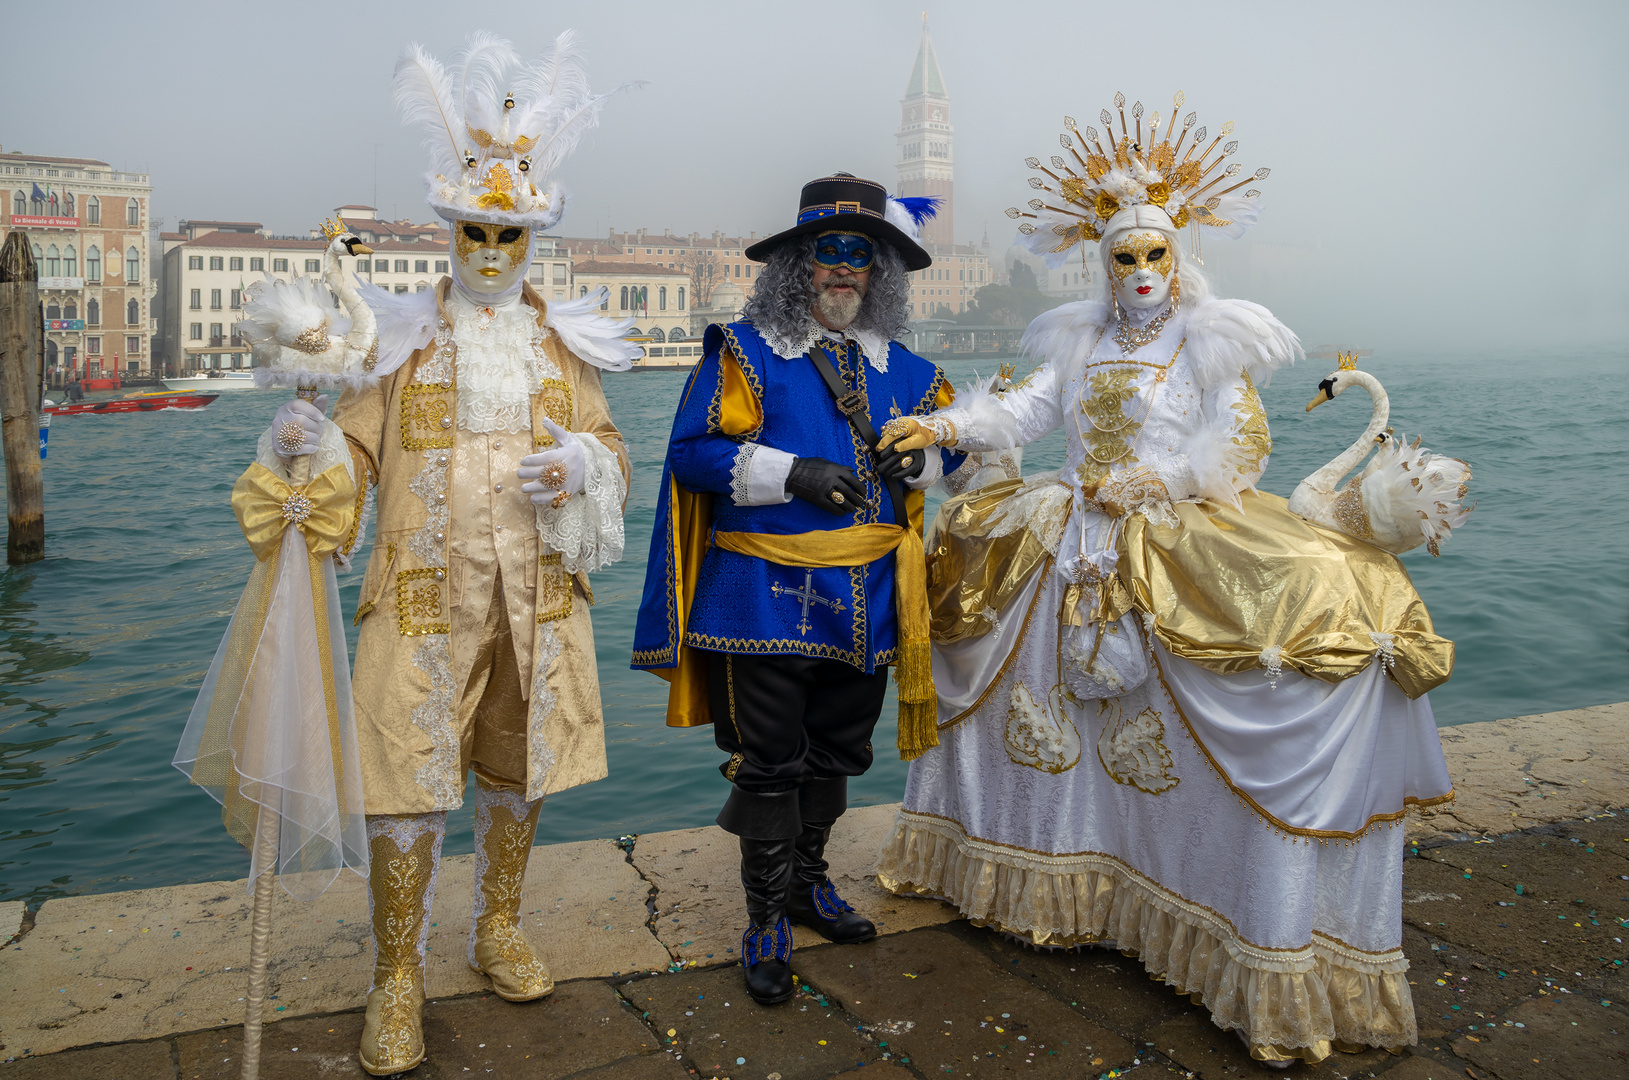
(307, 417)
(563, 468)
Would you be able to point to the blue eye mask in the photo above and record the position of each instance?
(836, 249)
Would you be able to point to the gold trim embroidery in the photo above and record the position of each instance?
(553, 589)
(414, 606)
(553, 400)
(1253, 436)
(428, 424)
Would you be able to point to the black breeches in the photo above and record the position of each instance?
(785, 720)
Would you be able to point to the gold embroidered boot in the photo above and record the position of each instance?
(505, 825)
(404, 853)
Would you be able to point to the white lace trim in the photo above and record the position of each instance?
(500, 364)
(404, 830)
(540, 759)
(740, 473)
(873, 346)
(587, 531)
(434, 716)
(485, 799)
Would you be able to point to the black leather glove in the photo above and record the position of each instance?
(832, 487)
(894, 465)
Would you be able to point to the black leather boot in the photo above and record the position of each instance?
(766, 947)
(768, 826)
(814, 901)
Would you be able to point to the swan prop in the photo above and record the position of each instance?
(1405, 497)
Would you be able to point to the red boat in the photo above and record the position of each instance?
(150, 401)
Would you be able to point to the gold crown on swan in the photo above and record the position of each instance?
(1347, 361)
(334, 227)
(1110, 175)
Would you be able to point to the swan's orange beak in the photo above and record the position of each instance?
(361, 249)
(1323, 396)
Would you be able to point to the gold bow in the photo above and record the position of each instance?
(259, 498)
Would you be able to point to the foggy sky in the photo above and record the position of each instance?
(1445, 175)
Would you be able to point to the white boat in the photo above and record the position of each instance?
(215, 381)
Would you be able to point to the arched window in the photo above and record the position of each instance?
(39, 259)
(625, 298)
(70, 262)
(70, 310)
(132, 213)
(53, 205)
(676, 334)
(132, 313)
(93, 211)
(53, 310)
(656, 334)
(53, 262)
(36, 206)
(19, 203)
(582, 291)
(68, 203)
(661, 298)
(93, 264)
(132, 266)
(681, 297)
(93, 313)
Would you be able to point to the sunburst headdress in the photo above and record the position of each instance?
(496, 128)
(1112, 178)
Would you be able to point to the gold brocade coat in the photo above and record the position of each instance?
(414, 652)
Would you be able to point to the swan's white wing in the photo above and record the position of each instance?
(1413, 495)
(1229, 336)
(591, 337)
(407, 322)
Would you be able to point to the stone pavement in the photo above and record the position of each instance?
(1514, 931)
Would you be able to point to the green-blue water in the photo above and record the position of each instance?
(103, 645)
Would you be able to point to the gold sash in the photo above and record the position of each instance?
(856, 546)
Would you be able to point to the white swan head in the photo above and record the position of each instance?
(348, 243)
(1330, 388)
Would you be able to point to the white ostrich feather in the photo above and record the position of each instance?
(1227, 336)
(481, 66)
(592, 338)
(407, 322)
(422, 93)
(1218, 462)
(276, 313)
(1065, 335)
(1413, 495)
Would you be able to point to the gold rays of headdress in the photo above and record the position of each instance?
(1141, 167)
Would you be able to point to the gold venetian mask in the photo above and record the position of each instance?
(471, 237)
(1142, 251)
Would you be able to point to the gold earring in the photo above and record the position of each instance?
(1176, 290)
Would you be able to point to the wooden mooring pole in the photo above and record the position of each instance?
(20, 345)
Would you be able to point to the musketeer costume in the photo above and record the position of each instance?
(773, 619)
(1174, 717)
(476, 648)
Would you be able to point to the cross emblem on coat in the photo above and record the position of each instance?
(807, 596)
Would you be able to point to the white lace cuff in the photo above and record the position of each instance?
(587, 530)
(758, 477)
(932, 469)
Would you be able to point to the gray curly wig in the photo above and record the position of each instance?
(783, 302)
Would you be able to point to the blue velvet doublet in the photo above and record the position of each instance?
(742, 604)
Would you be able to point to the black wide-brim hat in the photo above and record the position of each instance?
(844, 203)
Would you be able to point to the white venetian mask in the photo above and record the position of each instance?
(1142, 265)
(489, 259)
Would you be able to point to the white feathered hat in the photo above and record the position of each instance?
(1138, 178)
(496, 128)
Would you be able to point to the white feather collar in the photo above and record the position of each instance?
(1224, 337)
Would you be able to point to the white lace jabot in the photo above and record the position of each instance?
(873, 346)
(499, 364)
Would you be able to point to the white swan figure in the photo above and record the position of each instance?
(1404, 498)
(294, 333)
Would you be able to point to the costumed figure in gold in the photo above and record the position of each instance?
(1174, 716)
(500, 481)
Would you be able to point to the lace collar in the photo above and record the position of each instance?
(873, 346)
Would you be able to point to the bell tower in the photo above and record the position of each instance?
(926, 143)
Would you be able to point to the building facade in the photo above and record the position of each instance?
(209, 264)
(708, 261)
(88, 225)
(656, 297)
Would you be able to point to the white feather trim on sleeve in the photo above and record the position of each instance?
(591, 337)
(1229, 336)
(1219, 467)
(1066, 334)
(407, 323)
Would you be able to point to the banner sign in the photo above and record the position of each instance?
(24, 221)
(65, 324)
(62, 283)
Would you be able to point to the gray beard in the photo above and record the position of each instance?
(839, 309)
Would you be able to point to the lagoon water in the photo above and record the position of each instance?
(103, 644)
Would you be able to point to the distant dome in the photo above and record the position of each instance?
(728, 296)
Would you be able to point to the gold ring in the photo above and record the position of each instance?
(560, 500)
(837, 497)
(898, 427)
(905, 462)
(554, 475)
